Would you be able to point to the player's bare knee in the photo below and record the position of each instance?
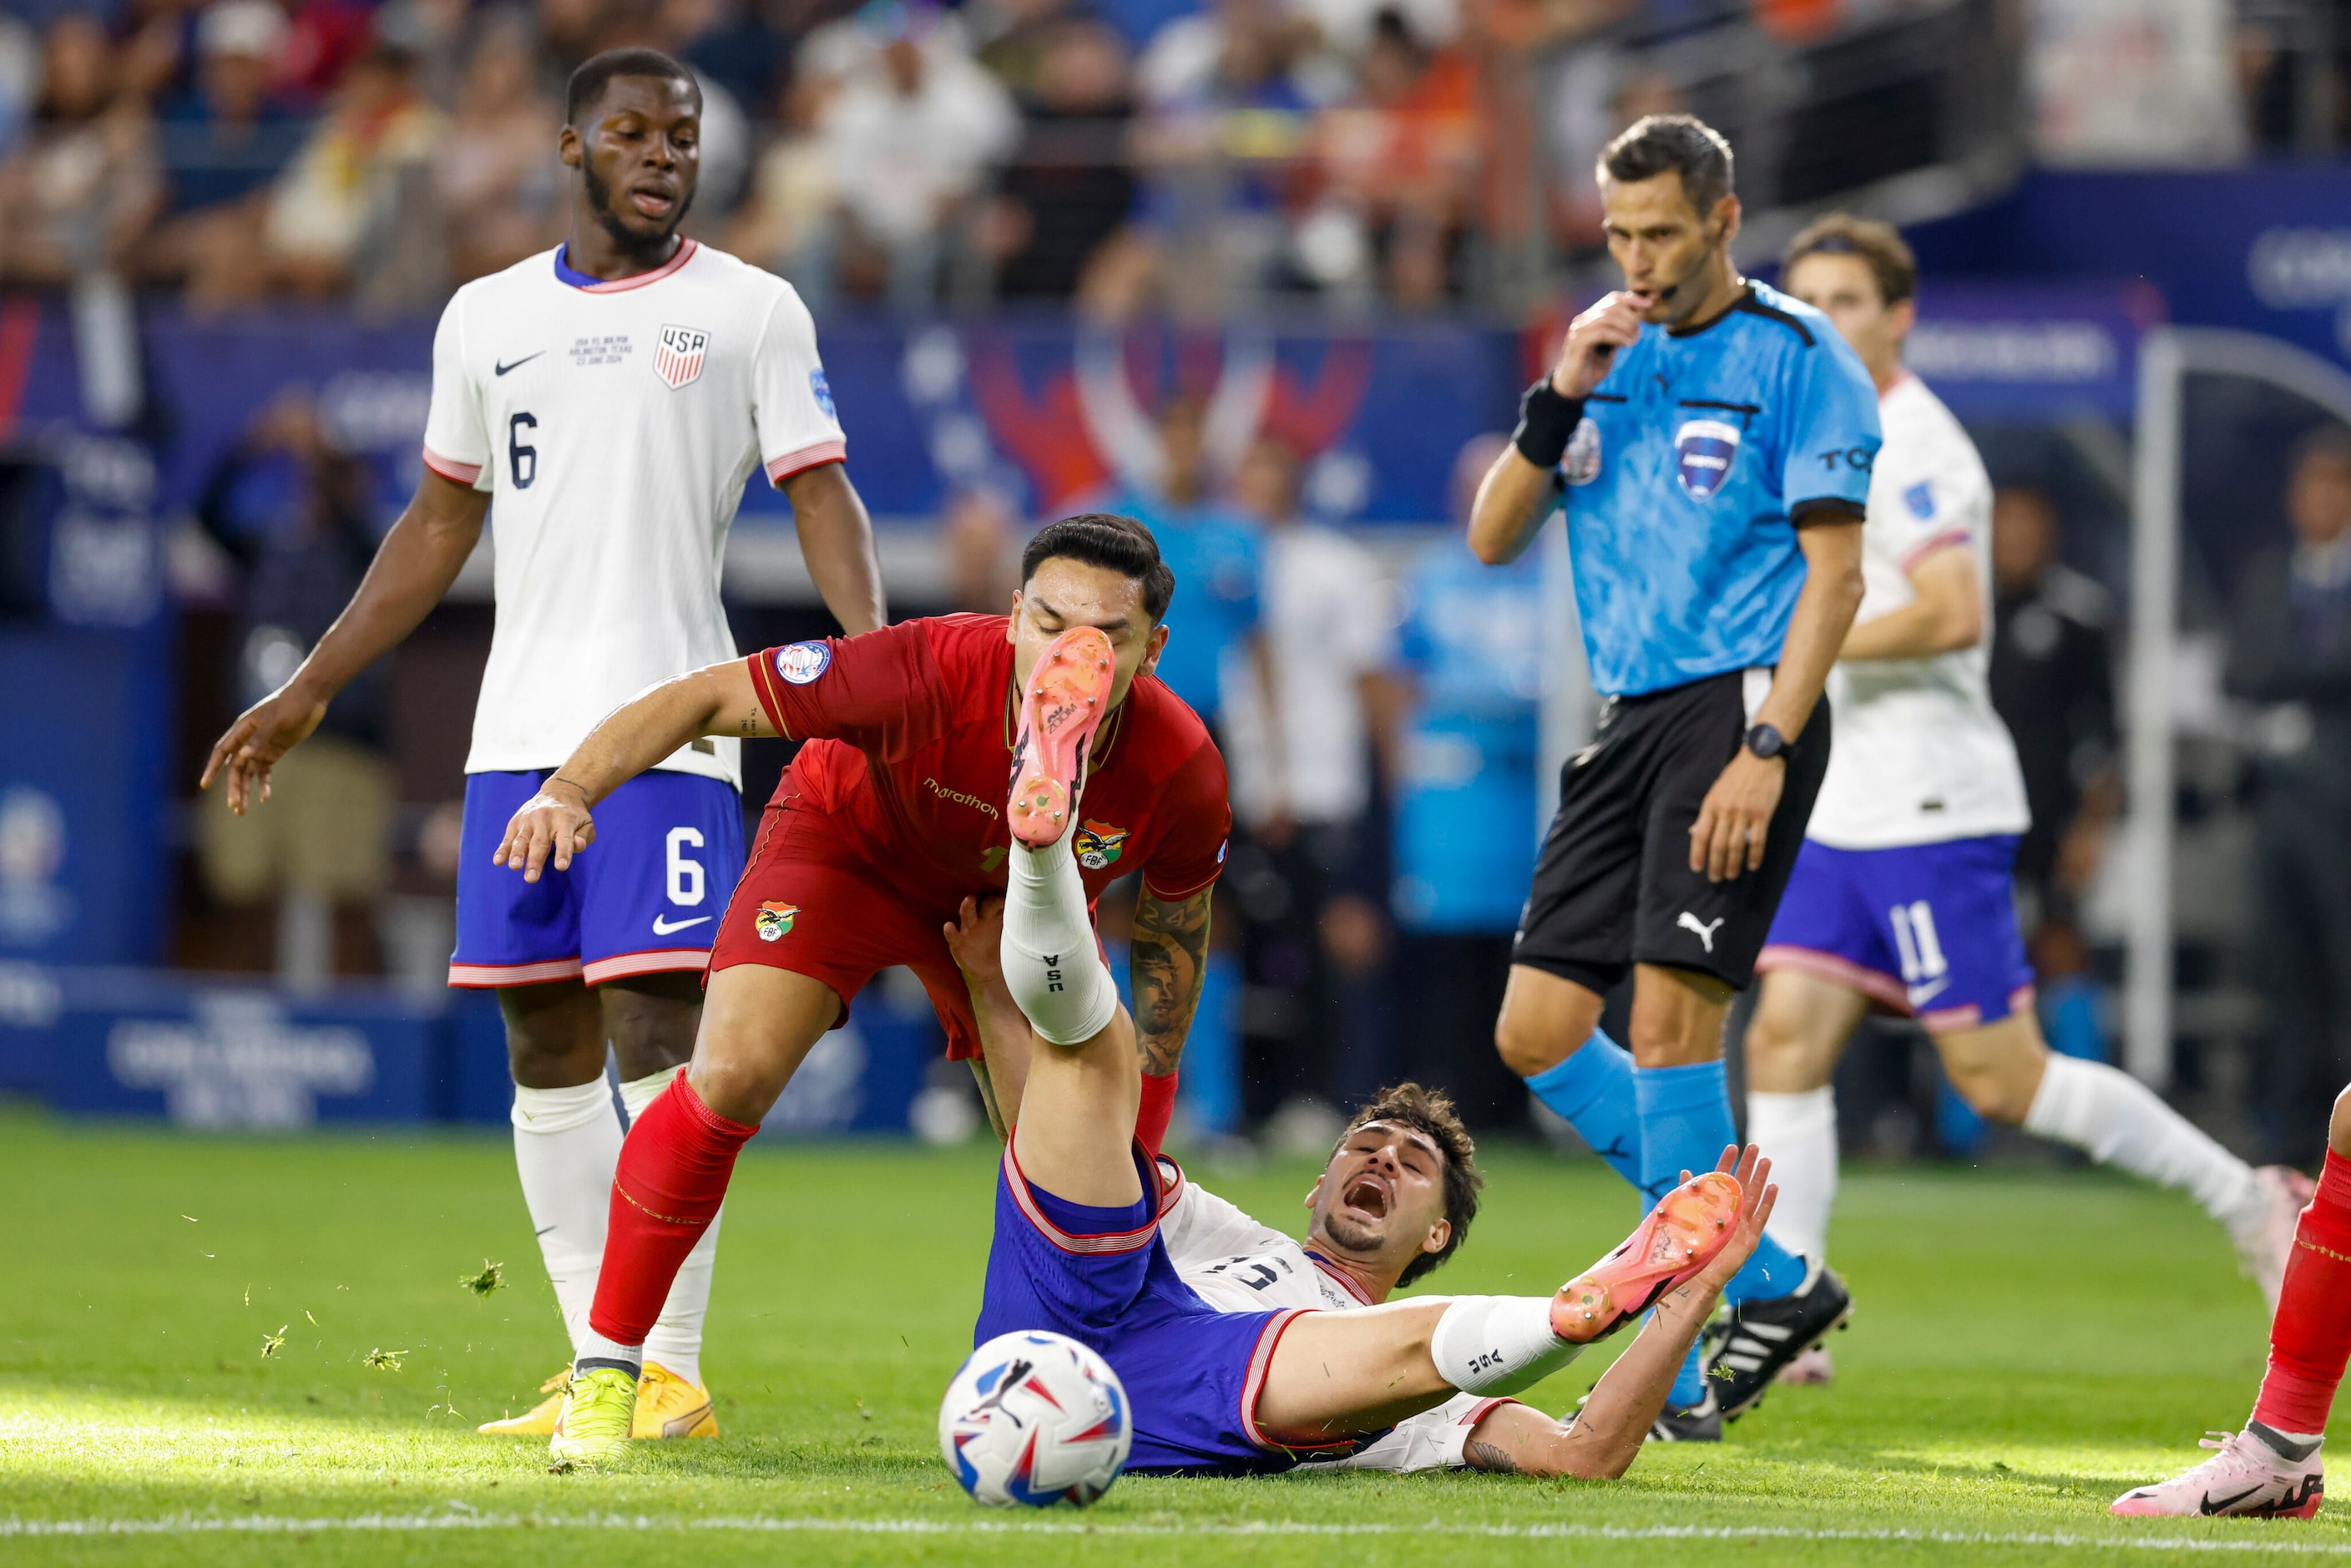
(652, 1020)
(553, 1041)
(738, 1087)
(1526, 1048)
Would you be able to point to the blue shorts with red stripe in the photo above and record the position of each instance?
(1101, 1276)
(644, 898)
(1923, 930)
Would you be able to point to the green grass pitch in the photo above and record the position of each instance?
(2027, 1345)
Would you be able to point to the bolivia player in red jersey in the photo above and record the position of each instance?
(890, 816)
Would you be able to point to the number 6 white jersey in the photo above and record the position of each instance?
(1919, 757)
(613, 425)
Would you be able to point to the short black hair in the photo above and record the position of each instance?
(1430, 1111)
(1112, 542)
(586, 88)
(1682, 143)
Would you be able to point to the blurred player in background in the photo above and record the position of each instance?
(1901, 897)
(888, 819)
(1712, 439)
(612, 397)
(2272, 1468)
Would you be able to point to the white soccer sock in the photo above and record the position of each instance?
(2118, 1121)
(1497, 1344)
(1798, 1134)
(567, 1141)
(1050, 964)
(675, 1341)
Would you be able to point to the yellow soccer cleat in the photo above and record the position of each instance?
(670, 1406)
(538, 1421)
(591, 1430)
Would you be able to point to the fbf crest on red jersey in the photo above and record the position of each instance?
(678, 359)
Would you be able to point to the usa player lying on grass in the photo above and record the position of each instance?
(1211, 1320)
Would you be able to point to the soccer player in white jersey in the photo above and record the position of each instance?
(605, 402)
(1900, 899)
(1393, 1203)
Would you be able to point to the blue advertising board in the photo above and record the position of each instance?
(2265, 248)
(215, 1052)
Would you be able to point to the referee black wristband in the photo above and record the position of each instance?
(1545, 421)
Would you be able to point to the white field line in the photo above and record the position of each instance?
(463, 1517)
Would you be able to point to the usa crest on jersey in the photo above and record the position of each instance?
(678, 359)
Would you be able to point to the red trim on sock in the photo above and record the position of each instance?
(1158, 1108)
(2309, 1338)
(674, 1166)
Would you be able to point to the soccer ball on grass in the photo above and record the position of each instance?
(1037, 1419)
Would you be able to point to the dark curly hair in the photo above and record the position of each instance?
(1430, 1111)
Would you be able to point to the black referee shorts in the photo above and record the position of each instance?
(1612, 886)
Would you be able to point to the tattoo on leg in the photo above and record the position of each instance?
(1488, 1457)
(1167, 964)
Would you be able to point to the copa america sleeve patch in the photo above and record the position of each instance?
(803, 662)
(821, 389)
(1920, 498)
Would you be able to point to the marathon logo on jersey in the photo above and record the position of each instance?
(678, 359)
(1581, 464)
(775, 920)
(803, 662)
(1704, 450)
(1099, 844)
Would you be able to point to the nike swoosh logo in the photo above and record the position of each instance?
(1921, 995)
(2215, 1504)
(517, 364)
(663, 925)
(542, 1232)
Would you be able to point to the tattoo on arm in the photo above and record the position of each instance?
(1167, 964)
(1490, 1457)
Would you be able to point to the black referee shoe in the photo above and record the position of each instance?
(1698, 1423)
(1758, 1338)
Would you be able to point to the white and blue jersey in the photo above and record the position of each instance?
(613, 425)
(1902, 890)
(1696, 459)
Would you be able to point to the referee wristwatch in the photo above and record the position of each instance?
(1766, 742)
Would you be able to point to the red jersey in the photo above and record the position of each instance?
(910, 731)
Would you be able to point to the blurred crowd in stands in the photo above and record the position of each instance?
(1118, 152)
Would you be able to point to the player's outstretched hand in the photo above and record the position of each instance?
(1756, 1197)
(548, 827)
(261, 735)
(1736, 818)
(1592, 340)
(975, 936)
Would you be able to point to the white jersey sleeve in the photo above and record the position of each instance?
(1237, 1265)
(1433, 1440)
(1920, 757)
(790, 402)
(456, 444)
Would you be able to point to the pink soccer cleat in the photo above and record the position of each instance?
(1678, 1238)
(1066, 699)
(2248, 1479)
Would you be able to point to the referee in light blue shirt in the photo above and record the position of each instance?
(1711, 441)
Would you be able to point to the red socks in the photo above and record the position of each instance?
(2310, 1340)
(1158, 1109)
(671, 1179)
